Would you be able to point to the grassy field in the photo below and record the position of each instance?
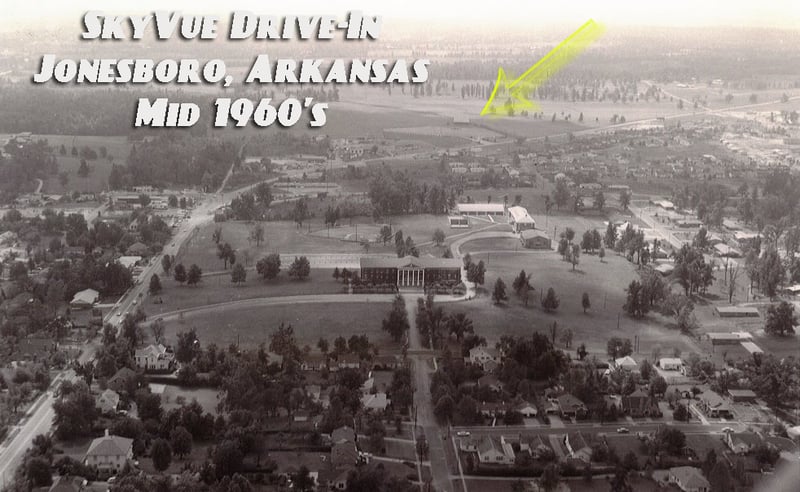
(252, 326)
(176, 396)
(97, 180)
(605, 282)
(218, 288)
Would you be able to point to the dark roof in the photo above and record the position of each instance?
(410, 262)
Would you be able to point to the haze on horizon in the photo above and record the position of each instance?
(509, 15)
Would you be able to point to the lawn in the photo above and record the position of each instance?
(97, 180)
(176, 396)
(605, 282)
(218, 288)
(253, 325)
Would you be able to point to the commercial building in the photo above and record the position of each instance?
(410, 271)
(535, 239)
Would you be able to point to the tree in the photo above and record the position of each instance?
(770, 272)
(269, 266)
(166, 263)
(216, 236)
(550, 302)
(720, 477)
(226, 253)
(499, 293)
(396, 323)
(300, 268)
(227, 458)
(38, 472)
(601, 254)
(780, 319)
(599, 201)
(161, 453)
(179, 273)
(585, 302)
(302, 480)
(617, 347)
(550, 477)
(155, 284)
(194, 275)
(438, 237)
(476, 272)
(157, 330)
(238, 274)
(582, 352)
(575, 256)
(181, 441)
(681, 413)
(300, 213)
(624, 199)
(257, 234)
(619, 482)
(636, 303)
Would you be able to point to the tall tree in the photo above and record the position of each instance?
(499, 293)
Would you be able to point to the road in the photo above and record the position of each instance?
(39, 419)
(423, 416)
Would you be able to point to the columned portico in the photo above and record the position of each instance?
(410, 277)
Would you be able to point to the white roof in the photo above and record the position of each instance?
(87, 296)
(129, 261)
(669, 361)
(481, 207)
(626, 361)
(520, 215)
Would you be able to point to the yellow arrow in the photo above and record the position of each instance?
(516, 91)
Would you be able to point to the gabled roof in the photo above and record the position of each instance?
(343, 434)
(151, 350)
(569, 402)
(689, 477)
(86, 296)
(749, 439)
(110, 445)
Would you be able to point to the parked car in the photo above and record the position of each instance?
(623, 430)
(462, 434)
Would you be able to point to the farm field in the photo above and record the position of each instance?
(251, 326)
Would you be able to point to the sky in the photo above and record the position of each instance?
(27, 14)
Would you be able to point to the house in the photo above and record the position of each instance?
(689, 479)
(123, 380)
(570, 407)
(614, 401)
(314, 392)
(480, 354)
(107, 401)
(342, 434)
(528, 410)
(68, 483)
(344, 454)
(469, 444)
(491, 409)
(536, 446)
(742, 442)
(714, 405)
(109, 453)
(138, 249)
(386, 362)
(154, 357)
(377, 402)
(640, 404)
(348, 361)
(494, 451)
(626, 363)
(670, 363)
(742, 395)
(578, 447)
(84, 299)
(314, 362)
(491, 382)
(129, 262)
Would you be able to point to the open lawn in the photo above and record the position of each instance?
(97, 180)
(605, 282)
(251, 326)
(176, 396)
(218, 288)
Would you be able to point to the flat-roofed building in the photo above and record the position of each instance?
(410, 271)
(458, 222)
(737, 312)
(478, 209)
(535, 239)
